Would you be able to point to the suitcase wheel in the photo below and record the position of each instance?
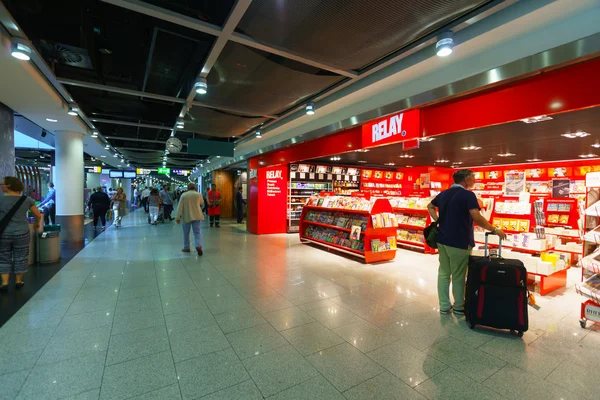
(471, 325)
(520, 333)
(582, 323)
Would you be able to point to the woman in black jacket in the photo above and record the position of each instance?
(100, 204)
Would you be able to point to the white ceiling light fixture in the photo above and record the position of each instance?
(51, 120)
(391, 164)
(201, 86)
(575, 135)
(335, 158)
(180, 124)
(102, 156)
(590, 155)
(20, 49)
(93, 159)
(129, 165)
(208, 161)
(258, 134)
(115, 155)
(445, 44)
(310, 108)
(596, 145)
(506, 154)
(471, 148)
(539, 118)
(533, 160)
(406, 156)
(94, 134)
(73, 110)
(107, 146)
(442, 161)
(361, 150)
(362, 161)
(427, 139)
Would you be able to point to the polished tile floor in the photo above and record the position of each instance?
(132, 317)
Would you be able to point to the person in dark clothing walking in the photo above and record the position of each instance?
(100, 204)
(240, 205)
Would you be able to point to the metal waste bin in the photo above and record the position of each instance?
(48, 247)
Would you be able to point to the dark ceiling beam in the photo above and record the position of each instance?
(168, 99)
(136, 124)
(129, 139)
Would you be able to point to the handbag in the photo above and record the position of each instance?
(431, 232)
(11, 213)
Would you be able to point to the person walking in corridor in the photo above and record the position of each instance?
(14, 231)
(459, 208)
(48, 205)
(167, 201)
(99, 204)
(154, 205)
(240, 205)
(214, 206)
(189, 211)
(119, 206)
(145, 195)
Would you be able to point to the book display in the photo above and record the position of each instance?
(305, 182)
(381, 182)
(359, 226)
(412, 216)
(589, 287)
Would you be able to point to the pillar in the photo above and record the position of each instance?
(126, 185)
(68, 182)
(7, 142)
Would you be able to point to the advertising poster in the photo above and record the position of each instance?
(535, 173)
(425, 181)
(561, 188)
(560, 172)
(514, 183)
(493, 175)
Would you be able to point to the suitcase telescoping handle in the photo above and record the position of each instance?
(486, 250)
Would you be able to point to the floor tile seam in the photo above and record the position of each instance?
(222, 389)
(77, 394)
(472, 348)
(168, 338)
(110, 337)
(385, 371)
(482, 383)
(297, 326)
(51, 336)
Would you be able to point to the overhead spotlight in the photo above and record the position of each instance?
(201, 86)
(361, 150)
(103, 164)
(122, 160)
(534, 120)
(335, 158)
(457, 163)
(42, 155)
(587, 155)
(129, 165)
(218, 156)
(471, 148)
(391, 164)
(20, 49)
(107, 146)
(533, 160)
(574, 135)
(442, 161)
(51, 120)
(596, 145)
(73, 110)
(310, 108)
(201, 165)
(180, 124)
(44, 133)
(207, 161)
(258, 134)
(93, 159)
(506, 154)
(427, 139)
(94, 134)
(362, 161)
(445, 44)
(406, 156)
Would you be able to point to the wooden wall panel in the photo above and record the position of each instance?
(224, 181)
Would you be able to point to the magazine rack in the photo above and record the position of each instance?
(336, 237)
(589, 287)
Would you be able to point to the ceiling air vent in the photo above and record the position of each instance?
(67, 55)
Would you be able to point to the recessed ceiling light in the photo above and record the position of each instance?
(575, 135)
(596, 145)
(335, 158)
(587, 155)
(390, 164)
(102, 156)
(406, 156)
(73, 110)
(361, 150)
(488, 163)
(180, 124)
(427, 139)
(408, 166)
(442, 161)
(533, 160)
(51, 120)
(457, 163)
(362, 161)
(471, 148)
(310, 108)
(506, 154)
(539, 118)
(445, 44)
(258, 134)
(115, 155)
(94, 133)
(201, 86)
(20, 49)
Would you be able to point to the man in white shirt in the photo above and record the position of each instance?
(189, 211)
(135, 197)
(145, 195)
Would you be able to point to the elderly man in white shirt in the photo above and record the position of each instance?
(145, 195)
(189, 211)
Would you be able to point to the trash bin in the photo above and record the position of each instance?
(48, 247)
(52, 228)
(33, 235)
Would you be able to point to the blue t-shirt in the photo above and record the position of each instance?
(456, 229)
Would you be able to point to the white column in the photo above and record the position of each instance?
(68, 183)
(126, 185)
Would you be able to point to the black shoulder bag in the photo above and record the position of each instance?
(6, 220)
(431, 231)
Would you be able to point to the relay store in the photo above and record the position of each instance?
(531, 143)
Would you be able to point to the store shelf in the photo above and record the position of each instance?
(416, 227)
(410, 243)
(297, 204)
(330, 226)
(412, 210)
(337, 209)
(333, 246)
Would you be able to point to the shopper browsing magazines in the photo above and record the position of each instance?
(459, 208)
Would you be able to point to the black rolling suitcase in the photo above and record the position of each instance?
(496, 293)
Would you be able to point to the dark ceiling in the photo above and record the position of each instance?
(92, 41)
(540, 140)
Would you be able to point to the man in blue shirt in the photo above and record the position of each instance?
(167, 198)
(455, 237)
(49, 205)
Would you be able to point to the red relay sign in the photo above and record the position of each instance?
(394, 128)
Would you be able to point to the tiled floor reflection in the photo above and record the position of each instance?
(133, 317)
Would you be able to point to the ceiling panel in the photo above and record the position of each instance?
(348, 34)
(212, 11)
(261, 83)
(541, 140)
(220, 124)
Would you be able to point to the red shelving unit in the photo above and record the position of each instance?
(367, 235)
(410, 243)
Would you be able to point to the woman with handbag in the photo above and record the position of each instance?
(119, 206)
(14, 231)
(154, 204)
